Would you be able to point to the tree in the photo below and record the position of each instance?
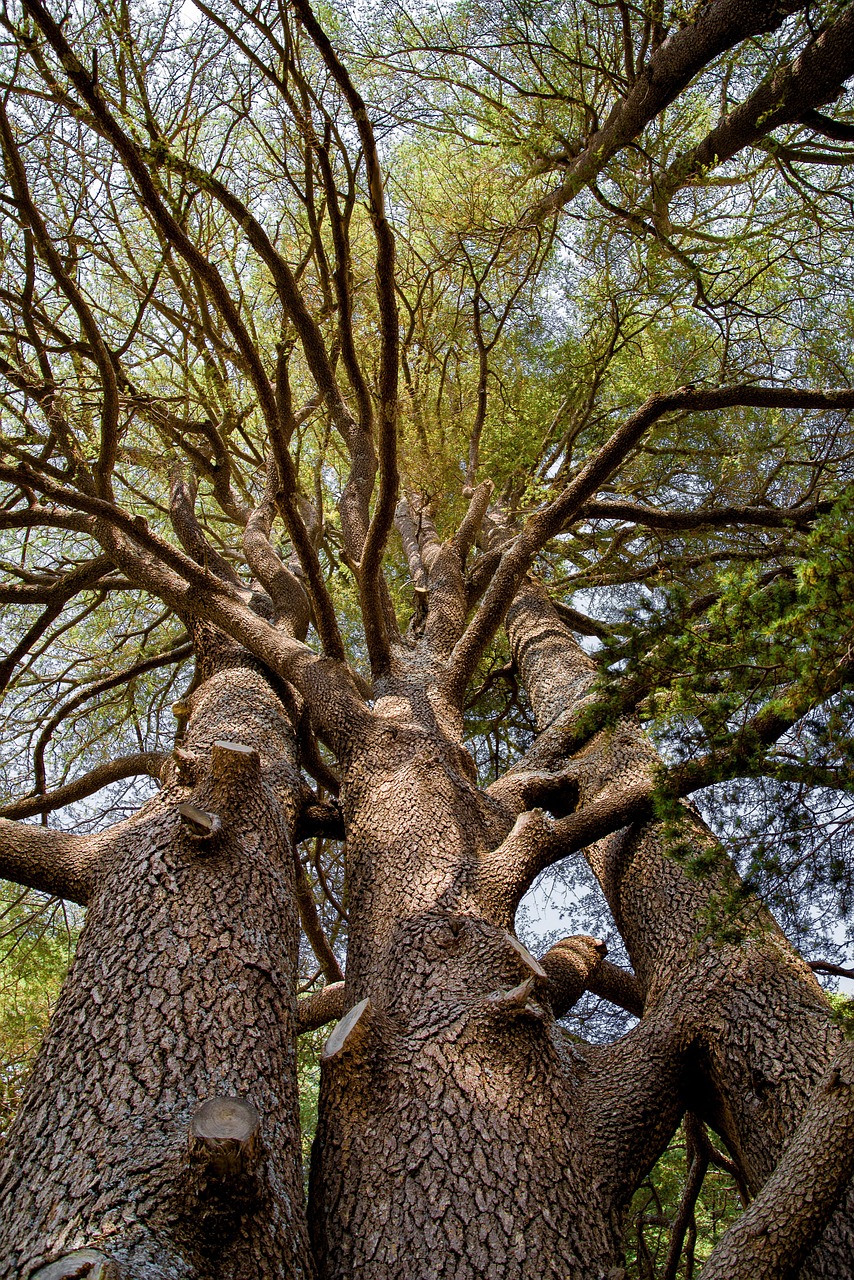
(518, 342)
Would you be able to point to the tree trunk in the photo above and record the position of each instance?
(455, 1135)
(182, 992)
(763, 1034)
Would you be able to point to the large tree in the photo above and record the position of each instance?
(453, 411)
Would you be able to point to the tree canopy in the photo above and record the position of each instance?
(332, 340)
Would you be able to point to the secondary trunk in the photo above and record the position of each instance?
(763, 1031)
(456, 1131)
(182, 993)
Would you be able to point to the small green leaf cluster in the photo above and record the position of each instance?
(37, 940)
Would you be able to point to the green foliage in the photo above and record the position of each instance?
(308, 1079)
(37, 940)
(843, 1014)
(654, 1207)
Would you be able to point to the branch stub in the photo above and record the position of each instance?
(82, 1264)
(198, 823)
(530, 962)
(231, 757)
(348, 1029)
(223, 1137)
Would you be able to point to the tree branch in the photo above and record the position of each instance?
(517, 559)
(376, 631)
(313, 927)
(84, 578)
(93, 691)
(283, 587)
(775, 1234)
(103, 359)
(144, 762)
(51, 861)
(836, 970)
(718, 26)
(326, 1005)
(787, 96)
(700, 518)
(698, 1162)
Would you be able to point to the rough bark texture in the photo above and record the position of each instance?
(460, 1132)
(762, 1032)
(772, 1238)
(182, 990)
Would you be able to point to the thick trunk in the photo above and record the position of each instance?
(762, 1027)
(457, 1129)
(182, 991)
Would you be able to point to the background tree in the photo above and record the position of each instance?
(449, 424)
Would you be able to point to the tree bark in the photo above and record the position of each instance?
(182, 992)
(763, 1032)
(460, 1134)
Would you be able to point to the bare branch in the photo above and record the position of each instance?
(150, 197)
(144, 762)
(376, 632)
(103, 359)
(700, 518)
(84, 578)
(697, 1157)
(95, 690)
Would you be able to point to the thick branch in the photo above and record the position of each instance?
(836, 970)
(326, 1005)
(718, 26)
(570, 964)
(182, 510)
(50, 861)
(773, 1237)
(466, 536)
(837, 130)
(618, 986)
(39, 517)
(144, 762)
(814, 78)
(283, 587)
